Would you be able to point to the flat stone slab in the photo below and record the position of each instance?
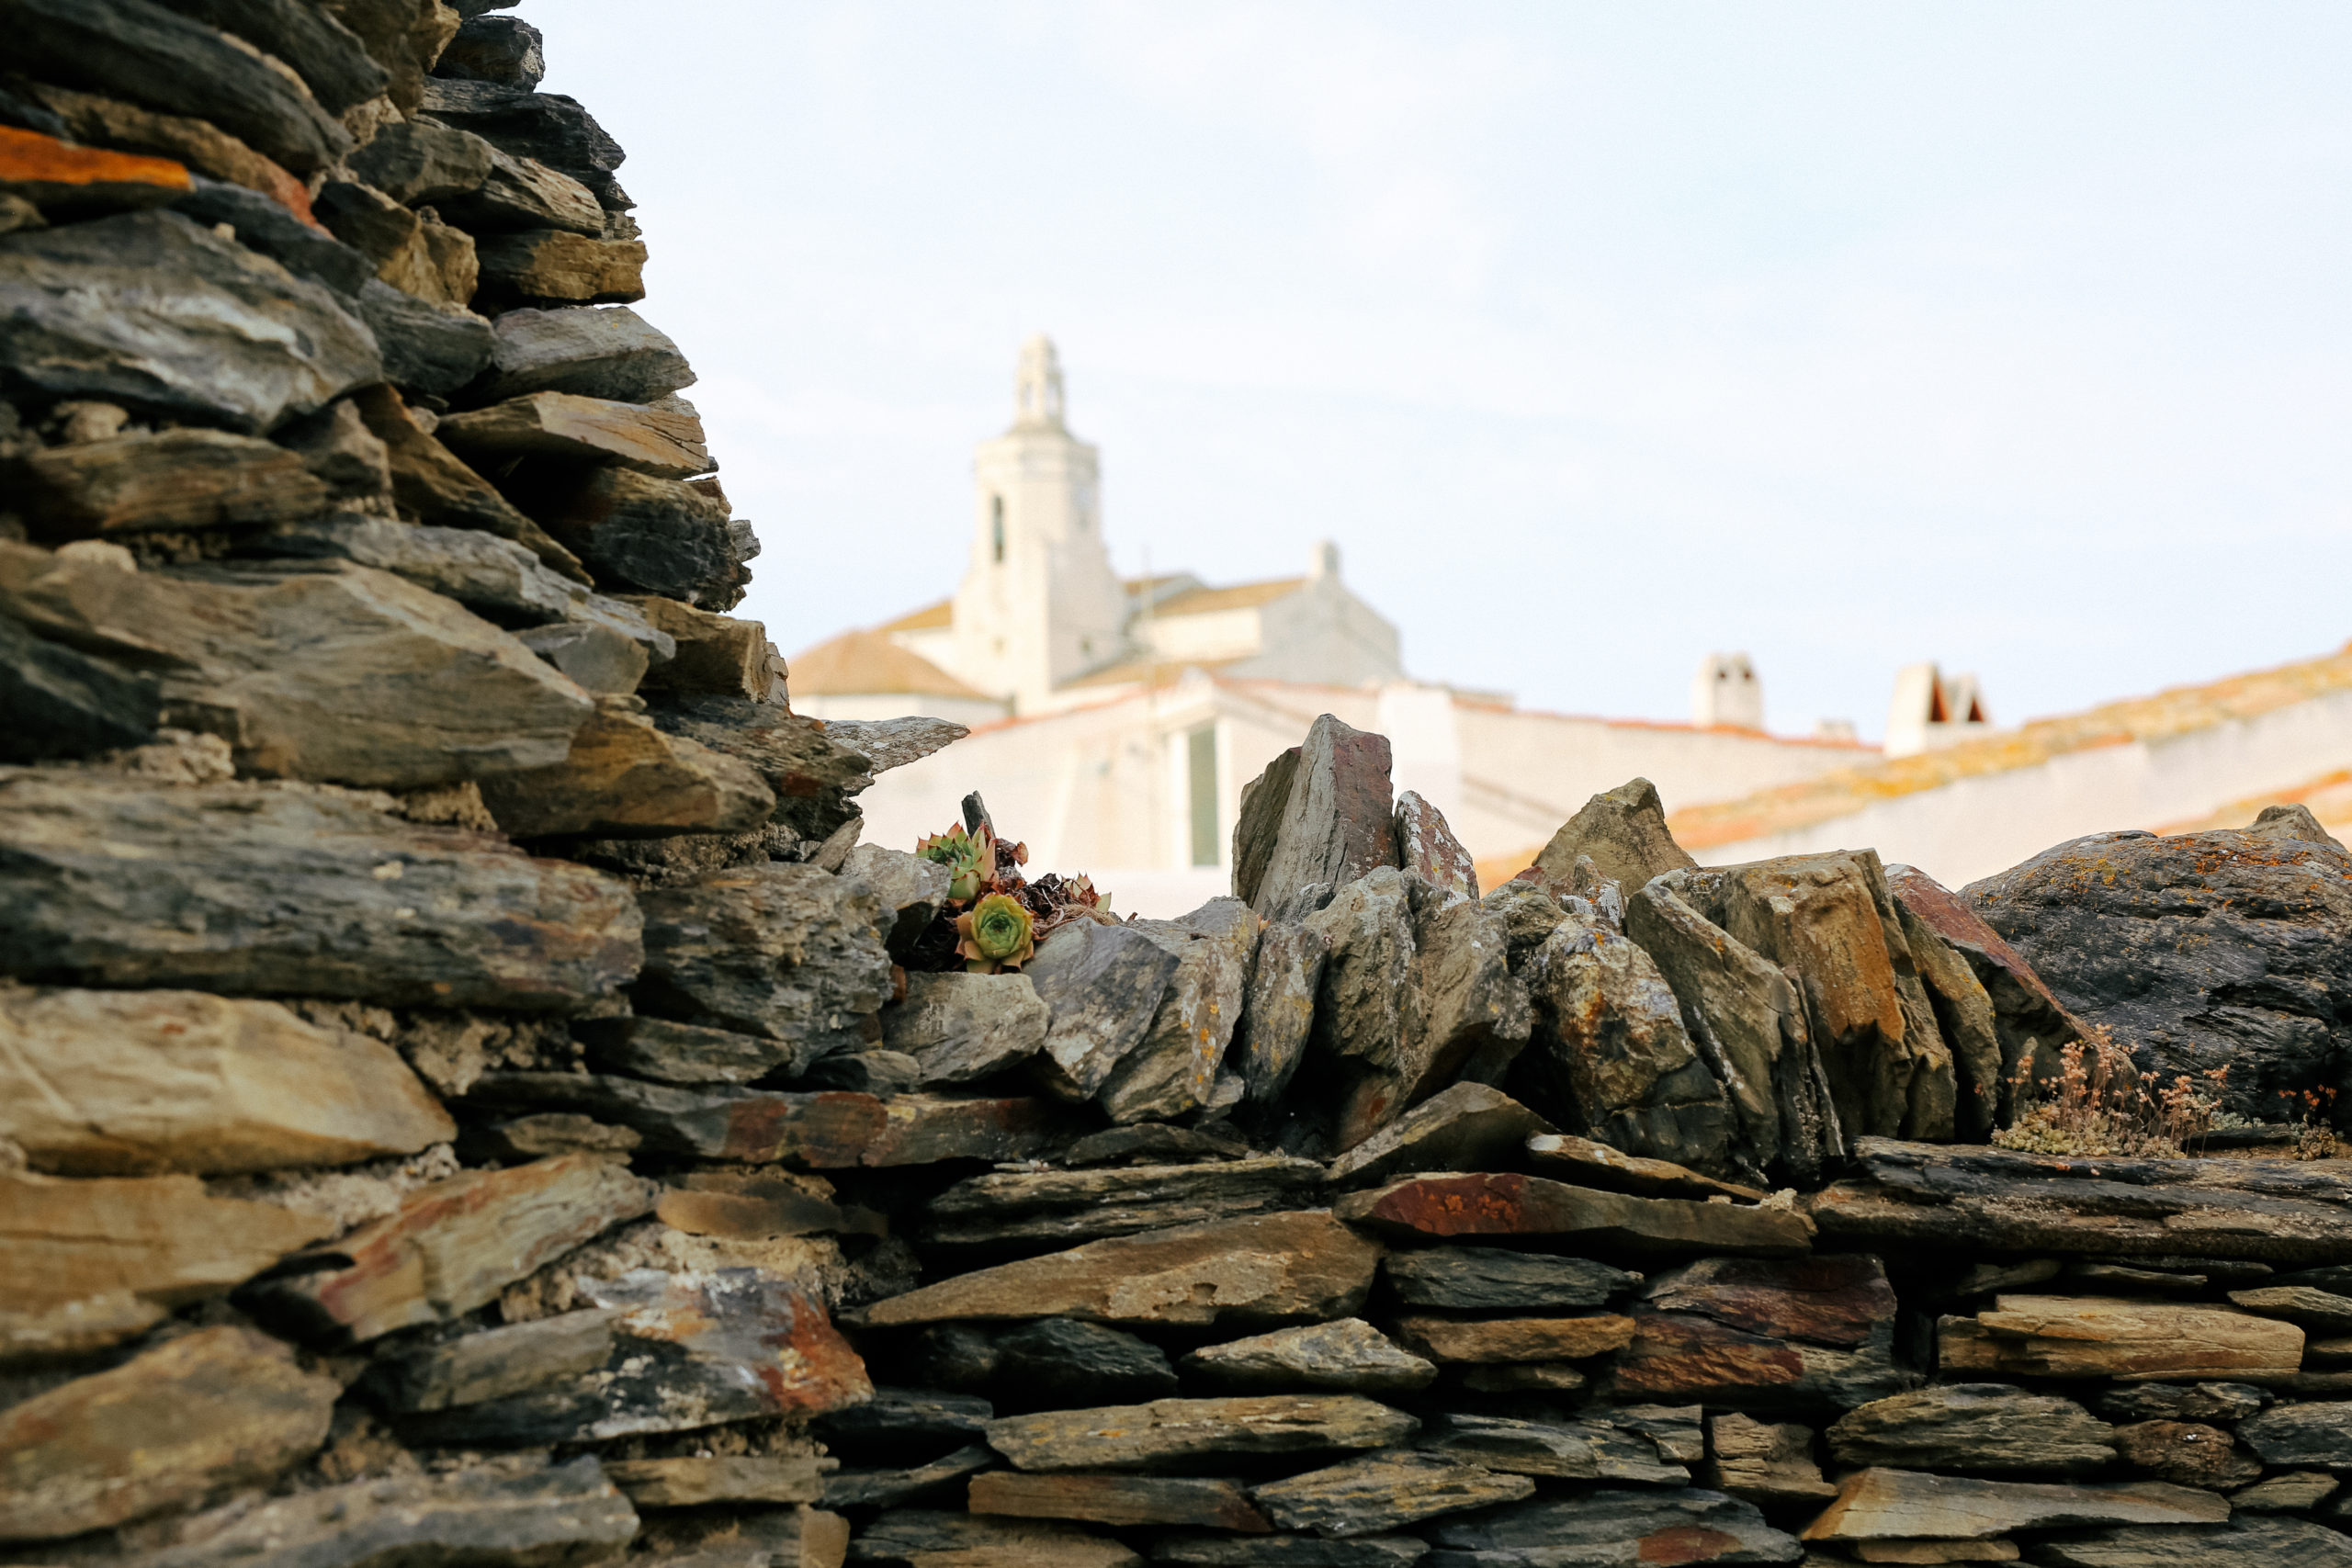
(1972, 1426)
(2257, 1542)
(2092, 1337)
(1467, 1126)
(895, 1488)
(923, 1538)
(1381, 1491)
(1517, 1338)
(1513, 1205)
(1887, 1504)
(692, 1482)
(1347, 1354)
(1290, 1550)
(1600, 1166)
(1065, 1207)
(1493, 1279)
(2318, 1435)
(1178, 1432)
(1269, 1268)
(1571, 1450)
(1613, 1527)
(1123, 1500)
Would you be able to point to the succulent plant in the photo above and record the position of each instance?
(970, 860)
(994, 935)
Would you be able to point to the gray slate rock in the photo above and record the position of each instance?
(130, 49)
(906, 1421)
(1360, 1029)
(1053, 1362)
(1337, 820)
(2261, 1542)
(643, 535)
(155, 312)
(64, 704)
(1492, 1279)
(549, 126)
(1348, 1354)
(1623, 833)
(1103, 986)
(331, 62)
(896, 1488)
(495, 1363)
(2222, 1402)
(249, 888)
(2201, 949)
(1290, 1550)
(2317, 1434)
(495, 578)
(504, 50)
(929, 1539)
(894, 742)
(427, 348)
(562, 1517)
(594, 658)
(668, 1051)
(1381, 1491)
(1577, 1450)
(959, 1027)
(912, 889)
(1465, 1012)
(1278, 1010)
(263, 224)
(417, 161)
(1608, 1528)
(1467, 1127)
(1173, 1070)
(1063, 1208)
(785, 950)
(1155, 1142)
(1427, 850)
(1975, 1427)
(609, 353)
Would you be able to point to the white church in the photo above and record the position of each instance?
(1115, 720)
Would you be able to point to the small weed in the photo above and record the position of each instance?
(2098, 1105)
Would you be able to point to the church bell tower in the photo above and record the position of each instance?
(1039, 603)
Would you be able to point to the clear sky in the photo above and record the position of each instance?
(2013, 336)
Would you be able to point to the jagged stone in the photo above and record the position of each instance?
(211, 1410)
(1360, 1012)
(1748, 1024)
(1334, 822)
(1964, 1016)
(427, 349)
(2030, 1022)
(1064, 1207)
(1172, 1069)
(417, 161)
(689, 1350)
(430, 482)
(716, 654)
(1183, 1431)
(1624, 833)
(753, 1207)
(1348, 1355)
(1764, 1461)
(1512, 1205)
(597, 658)
(2241, 1543)
(414, 252)
(170, 479)
(693, 1481)
(2200, 949)
(1118, 1500)
(2296, 1491)
(923, 1538)
(155, 311)
(894, 742)
(244, 887)
(339, 451)
(526, 1138)
(1380, 1491)
(545, 126)
(1426, 848)
(1765, 1334)
(402, 36)
(625, 777)
(1610, 1055)
(495, 1363)
(1057, 1362)
(1569, 1450)
(643, 535)
(1897, 1505)
(1487, 1279)
(2186, 1452)
(1463, 1011)
(2321, 1311)
(541, 266)
(1991, 1427)
(1103, 986)
(911, 888)
(898, 1421)
(565, 1516)
(784, 950)
(504, 50)
(597, 353)
(522, 193)
(1278, 1010)
(126, 1083)
(1964, 1200)
(961, 1027)
(823, 1130)
(668, 1051)
(896, 1488)
(330, 58)
(662, 439)
(96, 1262)
(1268, 1267)
(1598, 1165)
(62, 704)
(1613, 1527)
(2063, 1336)
(1517, 1338)
(452, 1245)
(341, 673)
(2319, 1435)
(176, 65)
(1289, 1550)
(812, 775)
(2182, 1401)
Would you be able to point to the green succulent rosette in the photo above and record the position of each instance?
(996, 933)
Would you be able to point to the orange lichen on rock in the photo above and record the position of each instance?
(47, 171)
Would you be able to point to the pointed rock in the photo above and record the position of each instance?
(1337, 821)
(1511, 1205)
(1348, 1355)
(1623, 832)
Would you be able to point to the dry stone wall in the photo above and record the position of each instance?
(467, 1096)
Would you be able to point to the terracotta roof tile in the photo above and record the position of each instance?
(856, 663)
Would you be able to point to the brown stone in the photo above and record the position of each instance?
(1842, 1300)
(49, 173)
(456, 1244)
(493, 1363)
(1897, 1504)
(80, 1252)
(1623, 832)
(125, 1083)
(782, 950)
(2091, 1337)
(1426, 848)
(719, 655)
(664, 439)
(109, 122)
(922, 1537)
(1516, 1338)
(170, 479)
(1512, 1205)
(1377, 1493)
(1678, 1356)
(1524, 1377)
(211, 1410)
(623, 778)
(2187, 1453)
(1937, 1551)
(1334, 822)
(750, 1206)
(692, 1482)
(1972, 1426)
(1118, 1500)
(1598, 1165)
(1269, 1268)
(1065, 1207)
(1764, 1461)
(2317, 1309)
(430, 482)
(555, 265)
(1184, 1432)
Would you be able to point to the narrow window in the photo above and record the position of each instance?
(996, 527)
(1201, 745)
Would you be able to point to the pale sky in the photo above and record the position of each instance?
(2017, 336)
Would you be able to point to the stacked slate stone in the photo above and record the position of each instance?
(464, 1097)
